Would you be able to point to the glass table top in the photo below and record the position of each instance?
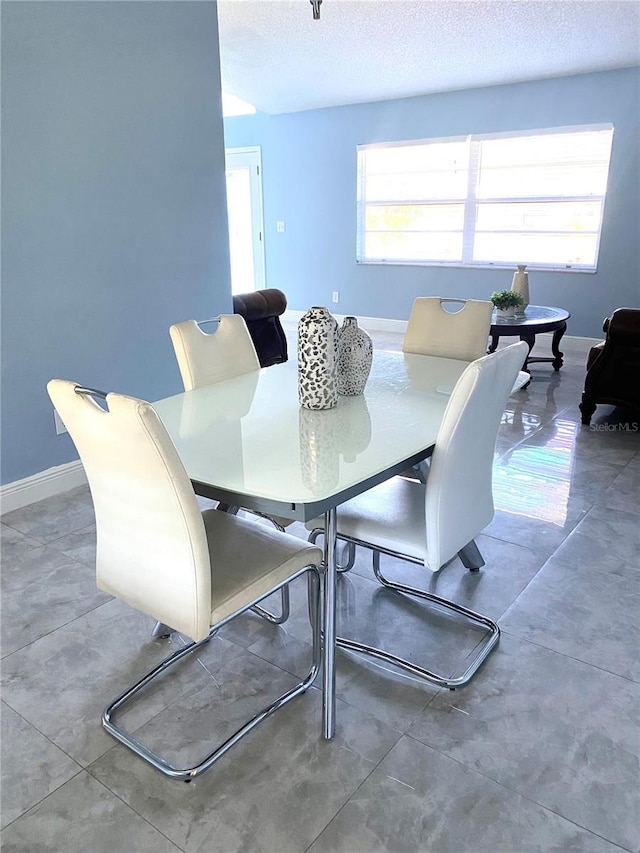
(249, 436)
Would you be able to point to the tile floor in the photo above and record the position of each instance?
(538, 753)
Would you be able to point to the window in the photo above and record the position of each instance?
(534, 198)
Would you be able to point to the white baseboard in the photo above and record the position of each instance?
(47, 483)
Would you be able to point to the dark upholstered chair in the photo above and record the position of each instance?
(613, 365)
(261, 311)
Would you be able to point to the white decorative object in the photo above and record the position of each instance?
(507, 313)
(317, 359)
(520, 285)
(355, 353)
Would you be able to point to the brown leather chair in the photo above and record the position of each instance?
(613, 365)
(261, 311)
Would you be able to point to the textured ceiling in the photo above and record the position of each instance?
(274, 55)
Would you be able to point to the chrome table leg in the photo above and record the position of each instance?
(329, 618)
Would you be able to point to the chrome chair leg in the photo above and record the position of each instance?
(284, 613)
(161, 631)
(349, 551)
(285, 603)
(189, 773)
(482, 651)
(314, 607)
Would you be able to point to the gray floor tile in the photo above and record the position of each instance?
(54, 517)
(519, 422)
(556, 730)
(104, 825)
(219, 702)
(390, 696)
(31, 766)
(547, 460)
(88, 663)
(378, 616)
(274, 791)
(92, 659)
(418, 800)
(615, 529)
(81, 545)
(583, 549)
(393, 696)
(617, 448)
(42, 590)
(426, 635)
(14, 544)
(584, 612)
(508, 569)
(528, 519)
(624, 491)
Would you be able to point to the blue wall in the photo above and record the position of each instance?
(114, 205)
(309, 181)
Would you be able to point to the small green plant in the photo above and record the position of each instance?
(503, 299)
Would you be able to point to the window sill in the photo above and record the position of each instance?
(489, 267)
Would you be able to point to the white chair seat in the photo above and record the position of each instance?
(248, 559)
(391, 517)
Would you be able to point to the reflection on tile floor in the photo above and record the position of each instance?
(538, 753)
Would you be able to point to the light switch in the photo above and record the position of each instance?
(280, 227)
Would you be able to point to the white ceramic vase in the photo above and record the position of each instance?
(520, 285)
(506, 313)
(317, 359)
(355, 354)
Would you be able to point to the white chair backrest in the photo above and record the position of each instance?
(207, 358)
(462, 334)
(152, 547)
(459, 495)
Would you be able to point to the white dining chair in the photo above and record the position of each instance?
(461, 334)
(205, 358)
(158, 552)
(429, 524)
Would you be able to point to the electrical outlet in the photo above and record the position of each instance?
(60, 427)
(280, 227)
(336, 296)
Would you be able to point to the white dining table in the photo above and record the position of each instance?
(247, 442)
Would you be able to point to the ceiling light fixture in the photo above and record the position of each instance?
(316, 9)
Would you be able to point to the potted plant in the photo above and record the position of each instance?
(506, 303)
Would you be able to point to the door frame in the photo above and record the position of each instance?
(251, 157)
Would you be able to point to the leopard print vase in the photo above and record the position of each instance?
(355, 354)
(317, 359)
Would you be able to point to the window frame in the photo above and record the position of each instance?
(470, 201)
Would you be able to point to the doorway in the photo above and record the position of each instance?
(246, 229)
